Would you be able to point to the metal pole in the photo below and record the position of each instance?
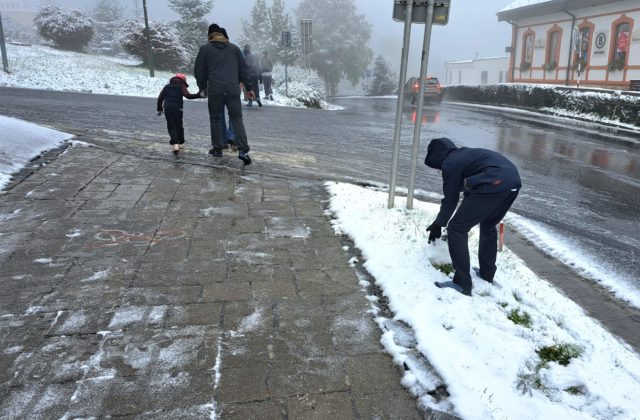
(418, 123)
(286, 72)
(146, 34)
(3, 47)
(403, 77)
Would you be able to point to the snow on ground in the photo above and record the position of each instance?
(42, 67)
(20, 142)
(489, 348)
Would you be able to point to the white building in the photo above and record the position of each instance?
(21, 11)
(480, 71)
(605, 53)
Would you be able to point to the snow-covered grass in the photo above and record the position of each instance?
(516, 350)
(20, 142)
(41, 67)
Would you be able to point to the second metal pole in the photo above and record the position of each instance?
(3, 47)
(400, 104)
(418, 123)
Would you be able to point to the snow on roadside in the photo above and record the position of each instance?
(42, 67)
(20, 142)
(487, 348)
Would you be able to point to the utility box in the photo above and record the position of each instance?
(419, 14)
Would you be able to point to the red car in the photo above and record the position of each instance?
(432, 90)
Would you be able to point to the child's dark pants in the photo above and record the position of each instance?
(174, 125)
(486, 210)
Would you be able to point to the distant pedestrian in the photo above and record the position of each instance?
(256, 75)
(266, 67)
(490, 183)
(219, 69)
(170, 100)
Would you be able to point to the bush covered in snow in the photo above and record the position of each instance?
(168, 52)
(305, 86)
(67, 29)
(618, 106)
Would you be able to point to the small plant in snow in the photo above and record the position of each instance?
(445, 268)
(67, 29)
(560, 353)
(520, 318)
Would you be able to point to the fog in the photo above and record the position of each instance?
(473, 29)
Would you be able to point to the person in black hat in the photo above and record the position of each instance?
(219, 69)
(490, 183)
(256, 75)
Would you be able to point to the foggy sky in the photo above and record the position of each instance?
(473, 28)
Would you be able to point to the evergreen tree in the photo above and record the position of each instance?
(279, 22)
(257, 31)
(192, 27)
(340, 38)
(108, 20)
(384, 81)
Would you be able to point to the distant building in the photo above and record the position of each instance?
(21, 11)
(605, 52)
(480, 71)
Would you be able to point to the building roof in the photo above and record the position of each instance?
(529, 8)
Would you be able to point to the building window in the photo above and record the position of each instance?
(459, 77)
(620, 46)
(484, 77)
(500, 76)
(583, 53)
(527, 51)
(552, 50)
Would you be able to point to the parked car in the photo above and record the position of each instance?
(432, 90)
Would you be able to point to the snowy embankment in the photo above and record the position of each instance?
(516, 350)
(41, 67)
(20, 142)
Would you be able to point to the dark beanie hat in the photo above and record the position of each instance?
(224, 32)
(214, 28)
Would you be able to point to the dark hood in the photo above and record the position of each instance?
(437, 151)
(178, 81)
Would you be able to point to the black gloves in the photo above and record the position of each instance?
(435, 232)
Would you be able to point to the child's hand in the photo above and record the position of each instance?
(203, 94)
(159, 113)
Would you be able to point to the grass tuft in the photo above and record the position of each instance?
(445, 268)
(520, 318)
(560, 353)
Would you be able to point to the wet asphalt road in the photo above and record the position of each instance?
(582, 181)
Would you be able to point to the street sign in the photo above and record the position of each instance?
(419, 14)
(286, 39)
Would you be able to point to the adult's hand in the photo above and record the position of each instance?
(435, 232)
(159, 113)
(203, 93)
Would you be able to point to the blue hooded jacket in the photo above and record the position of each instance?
(468, 170)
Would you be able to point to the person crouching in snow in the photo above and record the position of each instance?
(490, 183)
(171, 99)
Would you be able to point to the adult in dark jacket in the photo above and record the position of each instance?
(170, 99)
(490, 183)
(266, 66)
(256, 74)
(219, 69)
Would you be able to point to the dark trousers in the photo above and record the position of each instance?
(234, 106)
(174, 125)
(266, 82)
(484, 209)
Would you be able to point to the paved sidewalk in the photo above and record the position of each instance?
(142, 288)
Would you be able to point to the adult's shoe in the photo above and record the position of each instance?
(477, 271)
(245, 158)
(452, 285)
(259, 102)
(215, 153)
